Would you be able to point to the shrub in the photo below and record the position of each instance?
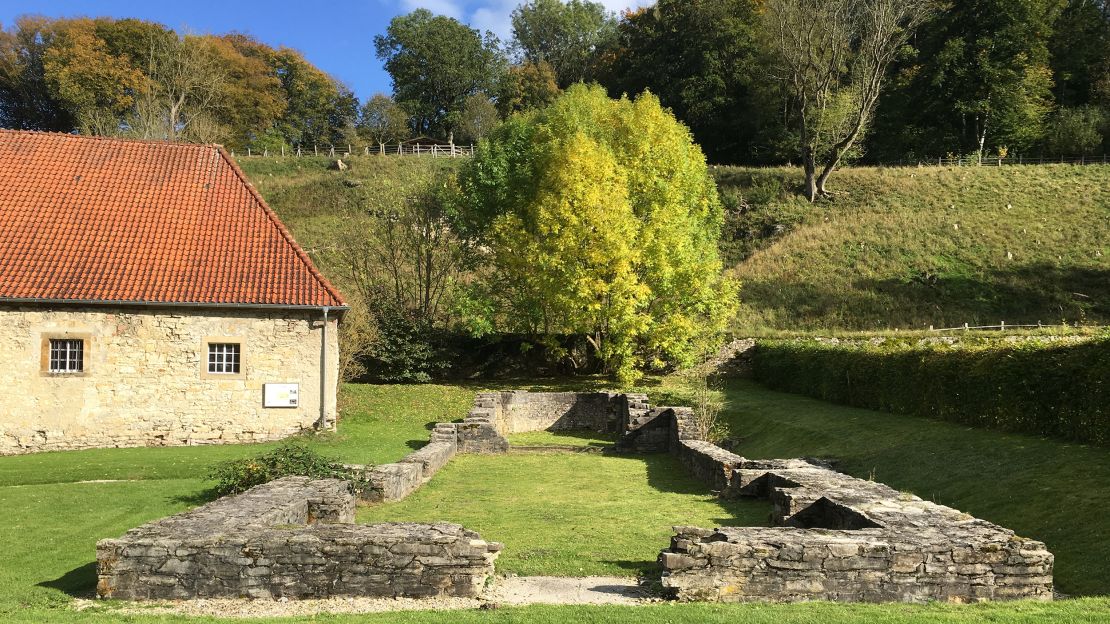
(1031, 386)
(706, 401)
(289, 459)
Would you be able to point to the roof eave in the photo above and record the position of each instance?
(169, 304)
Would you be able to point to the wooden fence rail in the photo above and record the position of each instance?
(973, 161)
(344, 151)
(1003, 326)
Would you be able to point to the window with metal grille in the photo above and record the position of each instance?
(67, 355)
(223, 358)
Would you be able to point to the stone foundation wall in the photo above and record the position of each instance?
(562, 411)
(145, 380)
(291, 538)
(708, 463)
(844, 539)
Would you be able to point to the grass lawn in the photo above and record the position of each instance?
(570, 514)
(597, 513)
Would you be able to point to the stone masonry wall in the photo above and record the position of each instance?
(291, 538)
(844, 539)
(522, 411)
(145, 381)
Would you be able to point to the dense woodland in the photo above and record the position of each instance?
(960, 77)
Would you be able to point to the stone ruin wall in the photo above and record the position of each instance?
(843, 539)
(837, 537)
(291, 538)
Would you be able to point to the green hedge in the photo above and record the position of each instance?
(1031, 386)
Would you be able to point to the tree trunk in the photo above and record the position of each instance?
(982, 138)
(810, 165)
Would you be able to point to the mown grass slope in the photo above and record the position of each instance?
(895, 248)
(914, 247)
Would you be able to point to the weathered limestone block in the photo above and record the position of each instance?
(431, 457)
(291, 538)
(393, 482)
(708, 462)
(485, 427)
(845, 539)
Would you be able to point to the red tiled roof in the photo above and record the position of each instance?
(99, 219)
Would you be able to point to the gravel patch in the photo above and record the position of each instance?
(590, 590)
(511, 591)
(243, 608)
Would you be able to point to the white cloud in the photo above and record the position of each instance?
(494, 15)
(450, 8)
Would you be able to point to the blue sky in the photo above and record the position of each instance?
(336, 36)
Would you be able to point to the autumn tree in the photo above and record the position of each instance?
(526, 86)
(383, 121)
(252, 98)
(96, 86)
(436, 62)
(601, 220)
(831, 58)
(26, 100)
(565, 35)
(318, 107)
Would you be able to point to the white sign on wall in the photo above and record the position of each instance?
(280, 394)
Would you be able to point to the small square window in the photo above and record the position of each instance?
(67, 355)
(223, 358)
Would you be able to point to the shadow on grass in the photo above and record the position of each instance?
(666, 473)
(196, 499)
(566, 437)
(1028, 294)
(79, 582)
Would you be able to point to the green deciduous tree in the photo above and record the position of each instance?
(1075, 131)
(436, 62)
(477, 118)
(698, 57)
(566, 35)
(383, 121)
(980, 80)
(601, 219)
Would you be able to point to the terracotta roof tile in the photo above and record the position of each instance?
(99, 219)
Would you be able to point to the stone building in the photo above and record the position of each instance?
(149, 296)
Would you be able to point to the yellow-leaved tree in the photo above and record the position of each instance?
(601, 220)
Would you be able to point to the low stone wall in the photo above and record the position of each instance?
(484, 428)
(846, 539)
(291, 538)
(522, 411)
(708, 462)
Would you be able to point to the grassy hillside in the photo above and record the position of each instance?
(914, 247)
(904, 248)
(319, 204)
